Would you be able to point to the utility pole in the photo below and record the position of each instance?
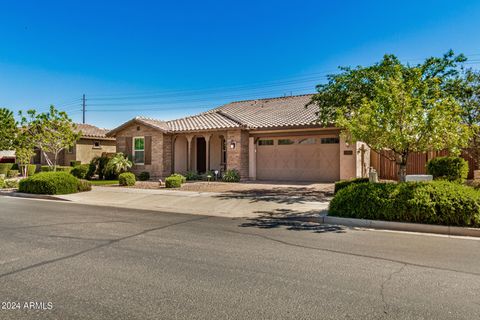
(83, 108)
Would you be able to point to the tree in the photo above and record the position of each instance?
(396, 106)
(53, 132)
(8, 129)
(118, 164)
(24, 149)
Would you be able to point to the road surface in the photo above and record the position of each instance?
(60, 260)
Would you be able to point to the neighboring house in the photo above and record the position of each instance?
(266, 139)
(93, 143)
(7, 156)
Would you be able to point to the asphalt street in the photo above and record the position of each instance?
(60, 260)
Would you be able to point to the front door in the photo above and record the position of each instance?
(201, 155)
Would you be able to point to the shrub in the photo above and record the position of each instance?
(92, 168)
(116, 165)
(182, 178)
(448, 168)
(31, 169)
(2, 183)
(57, 169)
(144, 176)
(11, 184)
(231, 175)
(5, 167)
(75, 163)
(50, 183)
(436, 202)
(84, 185)
(192, 175)
(173, 182)
(345, 183)
(80, 171)
(12, 173)
(126, 179)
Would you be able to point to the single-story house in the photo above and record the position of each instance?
(93, 143)
(264, 139)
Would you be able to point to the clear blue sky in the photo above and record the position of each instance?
(176, 58)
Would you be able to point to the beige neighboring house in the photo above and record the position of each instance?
(93, 143)
(265, 139)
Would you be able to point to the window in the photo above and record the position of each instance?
(307, 141)
(268, 142)
(330, 140)
(139, 150)
(283, 142)
(96, 145)
(224, 151)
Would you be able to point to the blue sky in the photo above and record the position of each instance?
(175, 58)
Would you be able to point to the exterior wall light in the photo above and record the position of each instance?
(232, 144)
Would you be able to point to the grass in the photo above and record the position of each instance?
(103, 182)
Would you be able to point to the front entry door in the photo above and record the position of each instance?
(201, 155)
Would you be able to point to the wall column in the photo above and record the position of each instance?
(189, 151)
(252, 159)
(207, 149)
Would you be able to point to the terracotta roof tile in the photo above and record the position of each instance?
(204, 121)
(89, 131)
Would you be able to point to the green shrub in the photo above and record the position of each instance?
(436, 202)
(2, 183)
(92, 168)
(173, 182)
(31, 169)
(126, 179)
(11, 184)
(12, 173)
(182, 178)
(345, 183)
(448, 168)
(57, 169)
(84, 185)
(192, 175)
(231, 175)
(50, 183)
(80, 171)
(144, 176)
(5, 167)
(75, 163)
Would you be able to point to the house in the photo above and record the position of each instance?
(7, 156)
(93, 143)
(264, 139)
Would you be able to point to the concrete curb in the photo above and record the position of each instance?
(402, 226)
(31, 196)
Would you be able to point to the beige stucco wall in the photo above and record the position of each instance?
(216, 152)
(157, 168)
(85, 150)
(180, 154)
(351, 165)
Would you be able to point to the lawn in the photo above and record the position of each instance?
(103, 182)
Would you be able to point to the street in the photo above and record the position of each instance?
(90, 262)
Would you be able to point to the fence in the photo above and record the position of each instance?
(388, 169)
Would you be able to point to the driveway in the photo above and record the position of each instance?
(95, 262)
(237, 200)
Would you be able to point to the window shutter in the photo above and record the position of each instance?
(148, 150)
(128, 147)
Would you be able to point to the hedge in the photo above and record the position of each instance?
(12, 173)
(50, 183)
(126, 179)
(144, 176)
(2, 183)
(84, 185)
(436, 202)
(5, 167)
(80, 171)
(178, 175)
(75, 163)
(345, 183)
(173, 182)
(448, 168)
(58, 169)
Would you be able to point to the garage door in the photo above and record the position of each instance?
(310, 158)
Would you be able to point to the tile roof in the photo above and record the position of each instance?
(273, 112)
(89, 131)
(204, 121)
(155, 123)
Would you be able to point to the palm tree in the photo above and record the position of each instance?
(118, 164)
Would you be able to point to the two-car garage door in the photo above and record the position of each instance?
(291, 158)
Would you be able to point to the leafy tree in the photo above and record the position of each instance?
(53, 132)
(8, 129)
(24, 149)
(396, 106)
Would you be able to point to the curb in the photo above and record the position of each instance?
(402, 226)
(31, 196)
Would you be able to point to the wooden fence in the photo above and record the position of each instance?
(388, 169)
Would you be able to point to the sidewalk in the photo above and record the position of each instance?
(201, 203)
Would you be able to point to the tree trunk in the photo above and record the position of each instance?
(402, 167)
(55, 162)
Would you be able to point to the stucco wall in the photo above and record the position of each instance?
(85, 150)
(348, 160)
(180, 154)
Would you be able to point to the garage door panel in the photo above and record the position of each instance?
(301, 162)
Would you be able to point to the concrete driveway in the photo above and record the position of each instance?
(253, 201)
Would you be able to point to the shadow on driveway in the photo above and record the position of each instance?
(284, 195)
(292, 220)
